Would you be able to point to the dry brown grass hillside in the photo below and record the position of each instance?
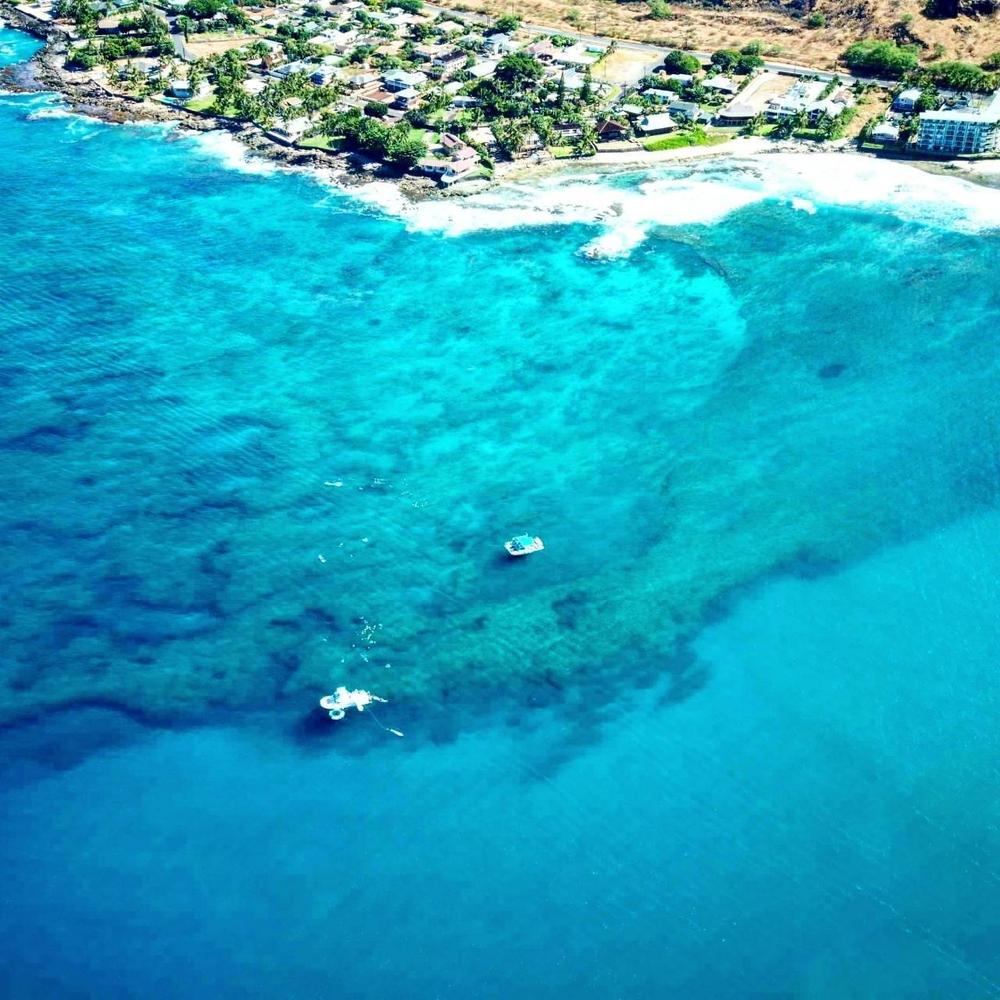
(968, 37)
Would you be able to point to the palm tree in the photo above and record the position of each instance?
(585, 143)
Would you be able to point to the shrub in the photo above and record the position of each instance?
(886, 58)
(680, 62)
(962, 76)
(376, 109)
(659, 10)
(816, 20)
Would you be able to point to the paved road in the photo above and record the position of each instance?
(657, 52)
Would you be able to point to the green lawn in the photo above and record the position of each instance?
(321, 142)
(202, 103)
(561, 152)
(679, 140)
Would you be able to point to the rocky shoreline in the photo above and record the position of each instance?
(45, 73)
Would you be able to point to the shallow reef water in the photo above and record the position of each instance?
(260, 438)
(731, 734)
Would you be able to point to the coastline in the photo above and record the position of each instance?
(45, 73)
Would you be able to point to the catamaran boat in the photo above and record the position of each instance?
(341, 700)
(523, 545)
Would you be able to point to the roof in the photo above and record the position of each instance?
(656, 121)
(737, 109)
(719, 83)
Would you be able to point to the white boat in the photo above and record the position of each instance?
(341, 700)
(523, 545)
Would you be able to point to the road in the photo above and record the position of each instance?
(657, 52)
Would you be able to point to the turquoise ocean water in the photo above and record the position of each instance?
(732, 735)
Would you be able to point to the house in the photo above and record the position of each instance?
(735, 113)
(683, 78)
(611, 131)
(450, 60)
(655, 124)
(799, 97)
(543, 50)
(400, 79)
(183, 91)
(500, 44)
(579, 56)
(447, 27)
(906, 100)
(291, 131)
(357, 80)
(884, 133)
(568, 130)
(572, 80)
(960, 130)
(406, 99)
(282, 72)
(427, 53)
(447, 171)
(480, 70)
(660, 96)
(688, 110)
(464, 101)
(721, 85)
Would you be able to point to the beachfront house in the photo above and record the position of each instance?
(885, 133)
(735, 113)
(291, 131)
(609, 130)
(656, 124)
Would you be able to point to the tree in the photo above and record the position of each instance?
(725, 59)
(505, 25)
(881, 58)
(510, 135)
(748, 63)
(962, 76)
(676, 61)
(991, 62)
(587, 90)
(518, 71)
(585, 144)
(659, 10)
(376, 109)
(409, 6)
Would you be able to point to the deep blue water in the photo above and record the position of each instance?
(733, 734)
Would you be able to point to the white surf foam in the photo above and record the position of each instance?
(905, 191)
(690, 194)
(231, 153)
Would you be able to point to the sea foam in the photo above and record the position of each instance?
(628, 206)
(231, 153)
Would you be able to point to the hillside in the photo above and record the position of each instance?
(971, 35)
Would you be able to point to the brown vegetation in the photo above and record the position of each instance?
(970, 36)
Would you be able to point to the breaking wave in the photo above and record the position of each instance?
(231, 153)
(628, 205)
